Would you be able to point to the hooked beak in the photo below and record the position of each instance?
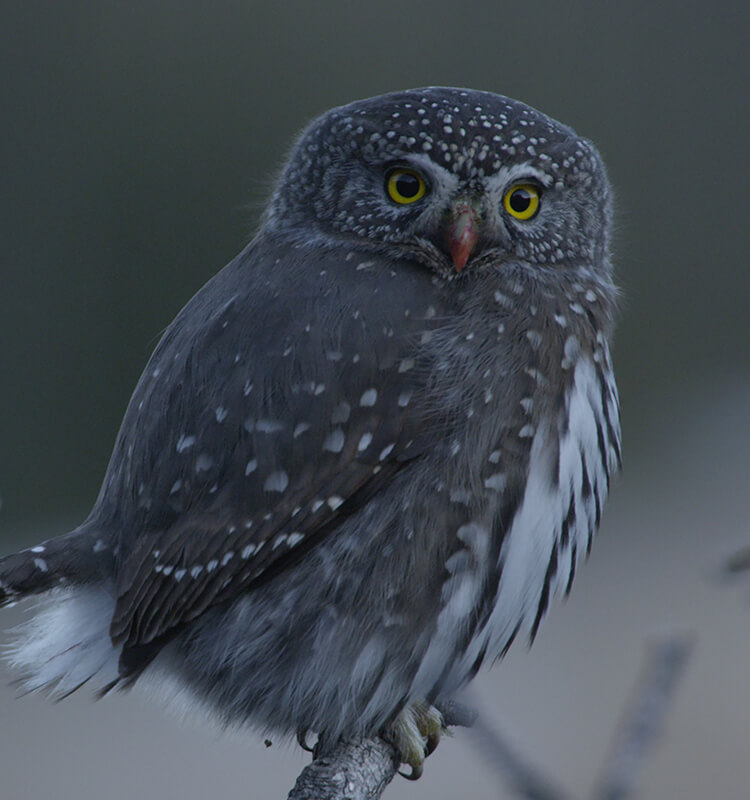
(462, 232)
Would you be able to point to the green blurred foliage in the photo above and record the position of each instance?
(138, 141)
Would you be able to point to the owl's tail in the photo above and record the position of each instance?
(79, 558)
(65, 642)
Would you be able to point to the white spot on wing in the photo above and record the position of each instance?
(341, 413)
(277, 481)
(251, 466)
(185, 442)
(369, 397)
(335, 441)
(300, 428)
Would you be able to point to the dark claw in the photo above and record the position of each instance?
(415, 774)
(433, 740)
(302, 740)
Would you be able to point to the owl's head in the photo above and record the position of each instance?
(453, 178)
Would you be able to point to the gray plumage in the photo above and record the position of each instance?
(354, 470)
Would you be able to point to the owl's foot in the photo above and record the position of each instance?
(415, 734)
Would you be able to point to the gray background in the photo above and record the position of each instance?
(137, 143)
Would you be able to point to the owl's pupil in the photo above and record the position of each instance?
(407, 185)
(520, 200)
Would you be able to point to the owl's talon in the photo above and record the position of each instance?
(415, 772)
(433, 740)
(302, 740)
(415, 734)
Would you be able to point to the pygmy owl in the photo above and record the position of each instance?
(365, 456)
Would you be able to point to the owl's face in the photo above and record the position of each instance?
(452, 178)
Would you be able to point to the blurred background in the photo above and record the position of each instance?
(138, 141)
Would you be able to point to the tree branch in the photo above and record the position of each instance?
(361, 769)
(643, 720)
(352, 770)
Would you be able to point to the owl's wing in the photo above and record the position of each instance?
(265, 417)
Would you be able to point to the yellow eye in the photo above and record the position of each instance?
(405, 186)
(522, 201)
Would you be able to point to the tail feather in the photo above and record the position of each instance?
(66, 641)
(79, 557)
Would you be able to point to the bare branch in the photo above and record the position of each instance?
(361, 769)
(644, 717)
(353, 770)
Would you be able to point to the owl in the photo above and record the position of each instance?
(368, 453)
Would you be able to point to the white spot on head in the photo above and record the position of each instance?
(277, 481)
(494, 457)
(526, 432)
(176, 486)
(99, 546)
(40, 548)
(403, 399)
(369, 397)
(252, 465)
(527, 404)
(221, 414)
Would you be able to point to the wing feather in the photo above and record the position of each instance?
(257, 428)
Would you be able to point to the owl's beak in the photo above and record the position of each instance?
(462, 232)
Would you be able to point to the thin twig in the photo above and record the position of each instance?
(644, 715)
(738, 562)
(522, 778)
